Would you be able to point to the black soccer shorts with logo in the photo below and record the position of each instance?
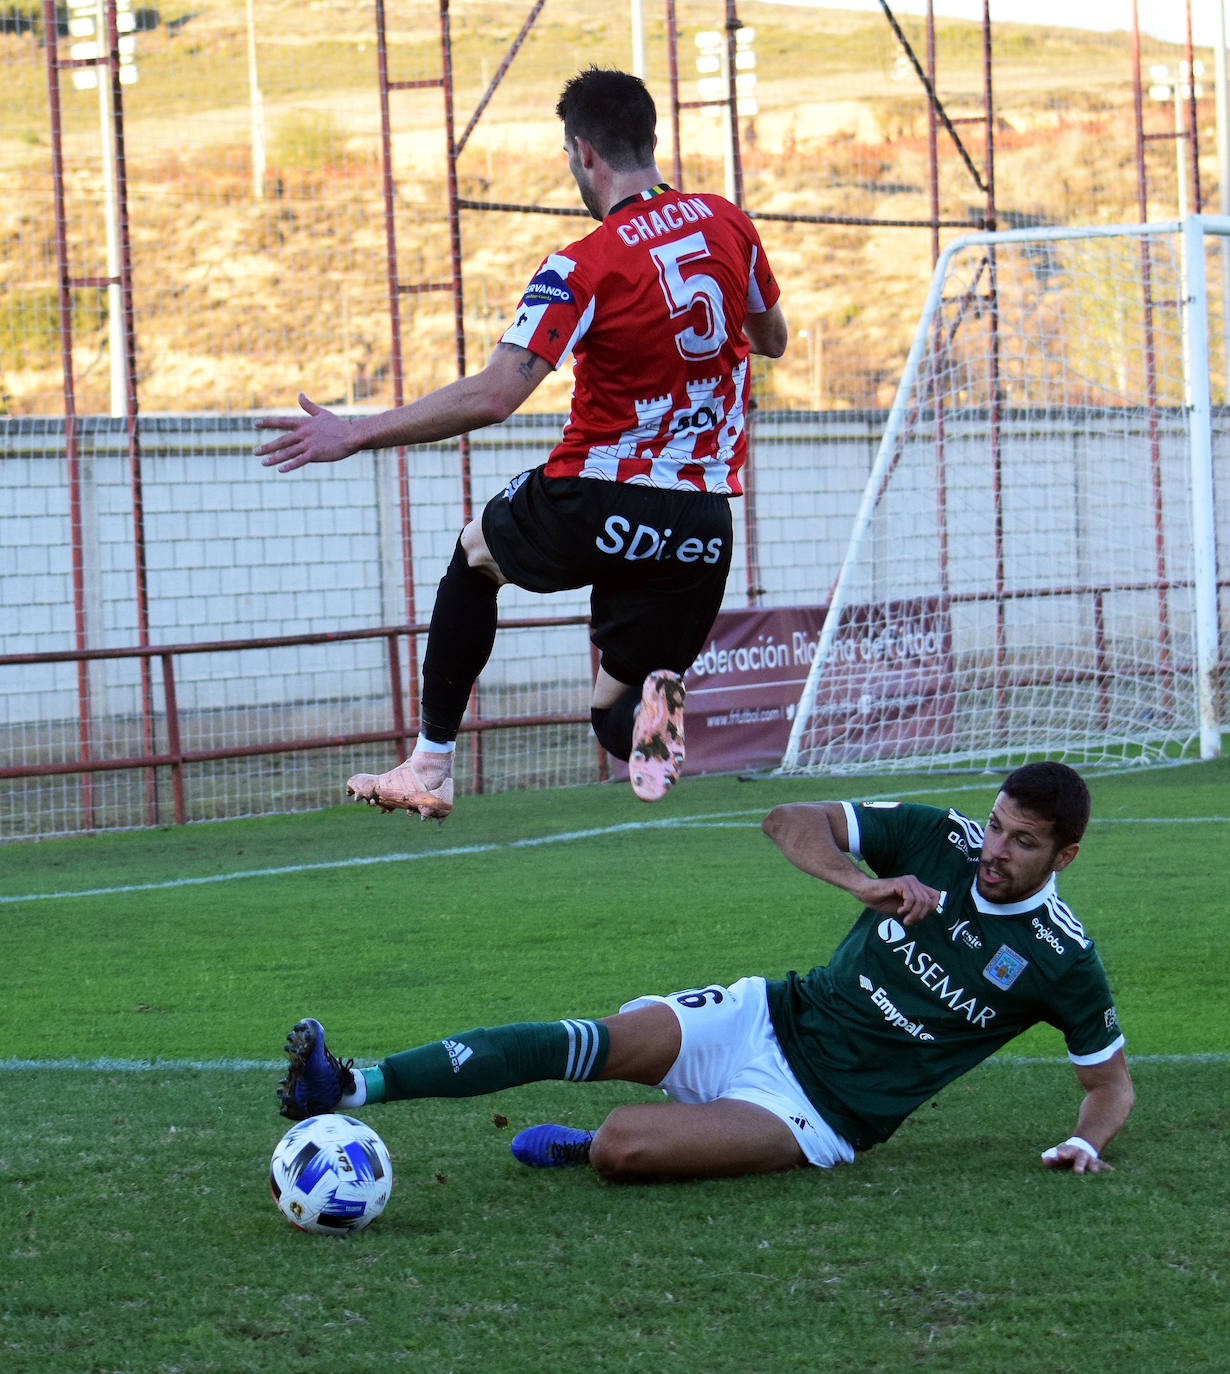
(656, 561)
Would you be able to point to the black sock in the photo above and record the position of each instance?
(613, 724)
(459, 644)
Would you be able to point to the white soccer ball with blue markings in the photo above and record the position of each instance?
(330, 1173)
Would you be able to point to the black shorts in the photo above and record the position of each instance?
(656, 561)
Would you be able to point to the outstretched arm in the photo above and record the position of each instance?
(486, 398)
(1104, 1108)
(815, 838)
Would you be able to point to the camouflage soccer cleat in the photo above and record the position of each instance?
(657, 736)
(424, 783)
(316, 1079)
(552, 1147)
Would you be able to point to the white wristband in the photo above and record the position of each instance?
(1082, 1144)
(1079, 1141)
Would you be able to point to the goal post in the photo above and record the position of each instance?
(1033, 569)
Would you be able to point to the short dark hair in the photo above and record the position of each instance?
(1054, 792)
(614, 111)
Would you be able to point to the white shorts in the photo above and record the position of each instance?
(729, 1049)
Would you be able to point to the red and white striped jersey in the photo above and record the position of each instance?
(651, 305)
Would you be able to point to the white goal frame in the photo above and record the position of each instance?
(829, 734)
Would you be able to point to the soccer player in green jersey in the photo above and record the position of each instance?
(962, 944)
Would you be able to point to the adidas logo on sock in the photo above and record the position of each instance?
(457, 1053)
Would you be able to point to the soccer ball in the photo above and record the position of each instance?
(330, 1173)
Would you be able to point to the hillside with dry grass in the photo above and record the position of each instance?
(247, 288)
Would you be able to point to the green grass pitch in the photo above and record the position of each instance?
(150, 977)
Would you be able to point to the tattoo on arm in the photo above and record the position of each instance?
(529, 364)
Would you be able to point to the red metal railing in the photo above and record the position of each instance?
(106, 64)
(996, 675)
(176, 758)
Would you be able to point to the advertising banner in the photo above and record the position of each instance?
(744, 687)
(887, 691)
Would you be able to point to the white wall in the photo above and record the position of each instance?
(238, 551)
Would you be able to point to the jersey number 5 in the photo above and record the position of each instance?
(684, 292)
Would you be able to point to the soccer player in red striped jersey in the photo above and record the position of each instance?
(659, 308)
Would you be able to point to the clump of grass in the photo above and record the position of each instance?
(308, 141)
(30, 321)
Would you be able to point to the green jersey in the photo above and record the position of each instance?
(901, 1011)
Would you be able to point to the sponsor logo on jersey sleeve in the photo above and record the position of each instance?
(548, 288)
(1005, 968)
(1044, 933)
(965, 836)
(1112, 1021)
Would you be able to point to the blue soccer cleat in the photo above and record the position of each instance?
(316, 1079)
(552, 1147)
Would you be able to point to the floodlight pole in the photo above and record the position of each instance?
(116, 350)
(637, 21)
(256, 110)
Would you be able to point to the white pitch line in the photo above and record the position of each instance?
(1158, 820)
(108, 1065)
(710, 820)
(529, 842)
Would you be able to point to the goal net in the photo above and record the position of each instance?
(1033, 567)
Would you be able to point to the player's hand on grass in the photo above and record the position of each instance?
(1076, 1155)
(318, 436)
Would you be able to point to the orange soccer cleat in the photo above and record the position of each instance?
(423, 783)
(657, 736)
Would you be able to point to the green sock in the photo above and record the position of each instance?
(485, 1060)
(375, 1084)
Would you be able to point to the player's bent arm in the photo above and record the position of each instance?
(767, 332)
(1108, 1100)
(815, 838)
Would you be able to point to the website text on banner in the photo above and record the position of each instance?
(894, 681)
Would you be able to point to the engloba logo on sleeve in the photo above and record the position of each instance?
(548, 288)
